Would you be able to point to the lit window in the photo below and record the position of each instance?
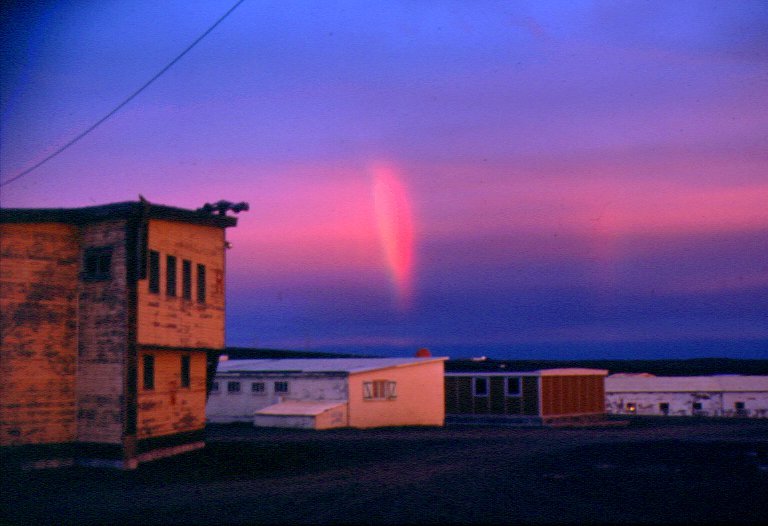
(258, 388)
(379, 390)
(512, 386)
(281, 387)
(631, 407)
(185, 371)
(97, 263)
(233, 387)
(480, 386)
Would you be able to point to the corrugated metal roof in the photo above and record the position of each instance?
(299, 407)
(671, 384)
(318, 365)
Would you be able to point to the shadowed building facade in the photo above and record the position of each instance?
(111, 318)
(490, 392)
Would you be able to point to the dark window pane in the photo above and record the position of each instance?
(185, 371)
(149, 371)
(97, 263)
(154, 271)
(186, 279)
(170, 275)
(201, 283)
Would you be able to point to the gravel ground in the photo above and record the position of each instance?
(651, 471)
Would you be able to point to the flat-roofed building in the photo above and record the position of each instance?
(321, 393)
(487, 391)
(717, 395)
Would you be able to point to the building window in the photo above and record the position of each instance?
(186, 279)
(185, 376)
(741, 408)
(215, 388)
(233, 387)
(97, 263)
(200, 283)
(154, 272)
(664, 408)
(480, 386)
(631, 407)
(697, 406)
(149, 372)
(281, 387)
(379, 390)
(170, 275)
(258, 388)
(512, 386)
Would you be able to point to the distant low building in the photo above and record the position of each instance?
(322, 393)
(719, 395)
(486, 391)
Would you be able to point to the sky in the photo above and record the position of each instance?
(511, 179)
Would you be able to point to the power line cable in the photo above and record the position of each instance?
(126, 101)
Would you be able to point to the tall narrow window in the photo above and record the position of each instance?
(170, 275)
(149, 372)
(154, 271)
(186, 279)
(185, 377)
(200, 283)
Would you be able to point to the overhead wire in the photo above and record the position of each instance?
(124, 102)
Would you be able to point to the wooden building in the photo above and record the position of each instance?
(487, 391)
(321, 393)
(111, 317)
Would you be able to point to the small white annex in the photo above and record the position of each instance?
(323, 393)
(718, 395)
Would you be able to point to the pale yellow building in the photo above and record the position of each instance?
(322, 393)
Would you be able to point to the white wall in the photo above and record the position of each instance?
(224, 407)
(680, 404)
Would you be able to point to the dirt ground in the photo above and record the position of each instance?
(651, 471)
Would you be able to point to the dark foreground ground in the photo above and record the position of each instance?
(657, 471)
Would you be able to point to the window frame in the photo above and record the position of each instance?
(487, 383)
(379, 390)
(518, 392)
(258, 392)
(281, 383)
(233, 387)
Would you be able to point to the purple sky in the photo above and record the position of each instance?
(515, 179)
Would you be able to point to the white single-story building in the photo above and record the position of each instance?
(322, 393)
(719, 395)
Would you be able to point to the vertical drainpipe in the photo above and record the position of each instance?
(540, 380)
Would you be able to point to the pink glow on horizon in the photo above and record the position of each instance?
(395, 227)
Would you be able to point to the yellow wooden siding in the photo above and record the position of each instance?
(174, 321)
(38, 343)
(103, 340)
(420, 397)
(170, 408)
